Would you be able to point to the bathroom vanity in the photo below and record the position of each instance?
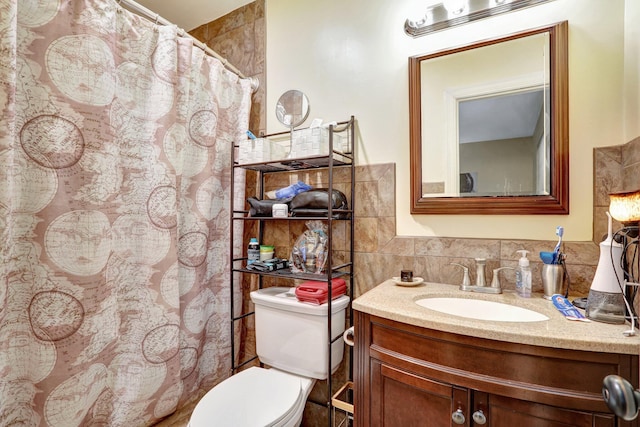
(414, 366)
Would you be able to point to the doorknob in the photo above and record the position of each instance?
(621, 397)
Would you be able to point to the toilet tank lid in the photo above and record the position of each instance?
(284, 298)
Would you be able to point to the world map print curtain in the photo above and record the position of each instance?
(115, 153)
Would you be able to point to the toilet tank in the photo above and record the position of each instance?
(293, 336)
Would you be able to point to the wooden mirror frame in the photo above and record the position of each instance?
(557, 202)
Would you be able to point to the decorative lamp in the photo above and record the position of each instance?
(625, 207)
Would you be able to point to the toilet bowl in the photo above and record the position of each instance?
(255, 397)
(291, 338)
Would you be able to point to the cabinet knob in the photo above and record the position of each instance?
(479, 417)
(458, 417)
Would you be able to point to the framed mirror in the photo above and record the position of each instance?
(489, 126)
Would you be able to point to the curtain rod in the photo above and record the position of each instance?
(154, 17)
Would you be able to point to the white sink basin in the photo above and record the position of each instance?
(481, 309)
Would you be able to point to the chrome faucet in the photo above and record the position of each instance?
(481, 281)
(495, 281)
(466, 280)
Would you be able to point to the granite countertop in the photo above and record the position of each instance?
(393, 302)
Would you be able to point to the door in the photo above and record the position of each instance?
(400, 398)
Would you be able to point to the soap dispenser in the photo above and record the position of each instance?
(523, 275)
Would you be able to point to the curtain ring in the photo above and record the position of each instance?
(157, 17)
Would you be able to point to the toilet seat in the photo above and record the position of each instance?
(255, 397)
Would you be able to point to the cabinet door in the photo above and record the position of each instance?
(504, 411)
(400, 398)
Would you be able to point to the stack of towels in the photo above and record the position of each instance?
(318, 292)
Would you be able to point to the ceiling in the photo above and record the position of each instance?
(500, 117)
(190, 14)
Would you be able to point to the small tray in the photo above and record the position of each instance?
(416, 281)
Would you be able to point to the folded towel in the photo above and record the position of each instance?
(318, 292)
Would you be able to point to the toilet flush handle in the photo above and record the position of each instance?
(348, 336)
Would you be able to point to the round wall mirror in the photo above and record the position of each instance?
(292, 108)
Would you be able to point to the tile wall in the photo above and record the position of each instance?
(376, 243)
(616, 168)
(239, 38)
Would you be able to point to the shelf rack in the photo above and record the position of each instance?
(332, 159)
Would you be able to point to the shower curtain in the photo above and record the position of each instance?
(115, 153)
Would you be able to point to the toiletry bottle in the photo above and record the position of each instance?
(523, 275)
(253, 251)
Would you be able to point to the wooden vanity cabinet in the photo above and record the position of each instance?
(406, 375)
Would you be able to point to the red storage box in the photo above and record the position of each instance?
(318, 292)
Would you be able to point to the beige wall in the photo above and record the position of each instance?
(351, 58)
(513, 173)
(632, 69)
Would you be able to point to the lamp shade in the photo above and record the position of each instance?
(625, 206)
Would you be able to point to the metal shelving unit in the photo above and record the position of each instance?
(333, 159)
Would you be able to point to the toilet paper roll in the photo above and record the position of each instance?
(348, 336)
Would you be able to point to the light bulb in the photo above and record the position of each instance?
(455, 7)
(416, 16)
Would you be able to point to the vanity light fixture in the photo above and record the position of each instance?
(450, 13)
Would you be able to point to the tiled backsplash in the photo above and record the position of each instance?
(376, 244)
(430, 257)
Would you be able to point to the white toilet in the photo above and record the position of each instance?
(292, 338)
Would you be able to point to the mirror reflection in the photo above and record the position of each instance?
(495, 113)
(489, 126)
(292, 108)
(503, 145)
